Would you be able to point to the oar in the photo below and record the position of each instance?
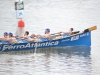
(90, 29)
(55, 33)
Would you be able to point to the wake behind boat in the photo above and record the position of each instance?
(80, 39)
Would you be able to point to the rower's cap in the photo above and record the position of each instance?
(48, 29)
(11, 34)
(6, 33)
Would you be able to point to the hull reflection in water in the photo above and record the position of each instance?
(83, 50)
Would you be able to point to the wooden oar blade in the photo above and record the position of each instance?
(92, 28)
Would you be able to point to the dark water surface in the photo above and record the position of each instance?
(58, 15)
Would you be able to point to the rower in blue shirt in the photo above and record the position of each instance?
(64, 34)
(4, 40)
(46, 37)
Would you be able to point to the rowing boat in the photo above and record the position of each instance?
(80, 39)
(83, 39)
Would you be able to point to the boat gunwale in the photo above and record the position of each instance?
(46, 41)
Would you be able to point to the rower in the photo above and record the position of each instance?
(26, 35)
(32, 38)
(23, 39)
(11, 38)
(46, 37)
(64, 34)
(4, 39)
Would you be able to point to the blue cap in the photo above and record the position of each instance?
(48, 29)
(6, 33)
(11, 34)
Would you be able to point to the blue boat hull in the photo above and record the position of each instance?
(83, 39)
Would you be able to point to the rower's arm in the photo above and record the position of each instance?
(48, 36)
(0, 38)
(66, 32)
(19, 36)
(41, 36)
(25, 37)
